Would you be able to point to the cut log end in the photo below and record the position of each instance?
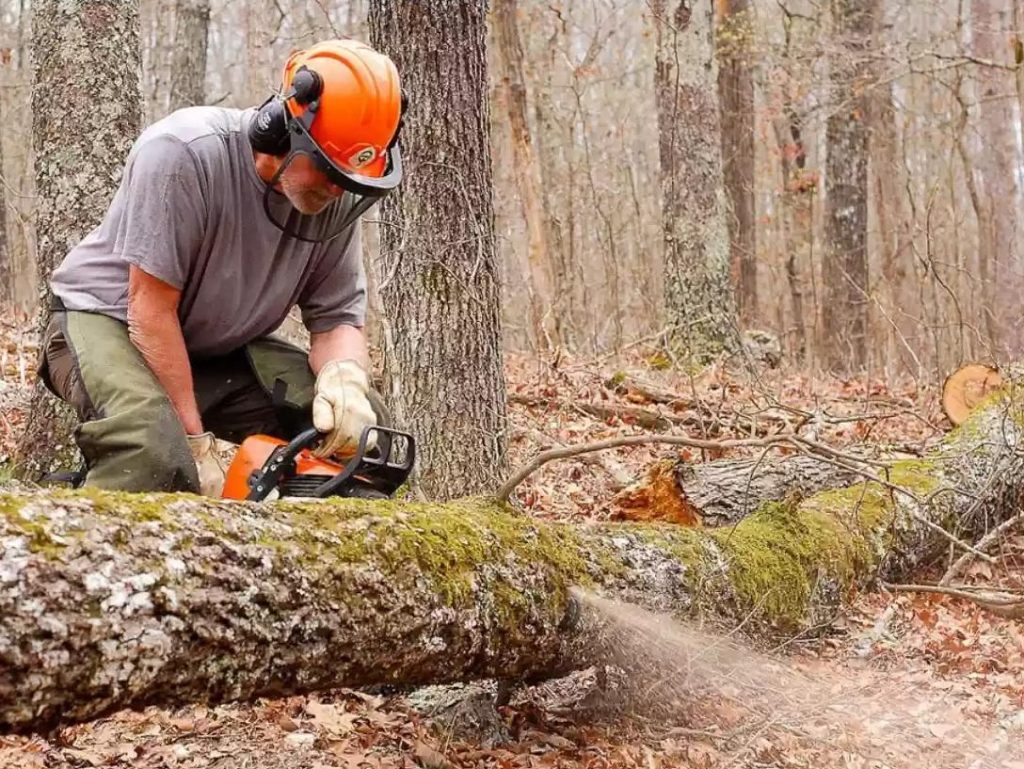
(966, 387)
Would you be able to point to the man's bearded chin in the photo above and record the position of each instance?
(308, 203)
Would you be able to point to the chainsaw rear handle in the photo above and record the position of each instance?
(391, 474)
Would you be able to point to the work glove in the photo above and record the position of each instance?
(208, 464)
(341, 408)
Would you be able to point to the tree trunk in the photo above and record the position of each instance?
(6, 266)
(698, 295)
(546, 323)
(997, 153)
(76, 171)
(440, 298)
(845, 272)
(799, 184)
(734, 42)
(725, 491)
(188, 63)
(113, 600)
(1018, 58)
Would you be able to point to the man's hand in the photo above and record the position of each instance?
(341, 408)
(208, 465)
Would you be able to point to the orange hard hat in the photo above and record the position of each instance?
(358, 103)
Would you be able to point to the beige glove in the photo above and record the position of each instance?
(208, 464)
(341, 408)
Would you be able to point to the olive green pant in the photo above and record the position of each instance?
(129, 433)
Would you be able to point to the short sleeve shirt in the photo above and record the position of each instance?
(189, 211)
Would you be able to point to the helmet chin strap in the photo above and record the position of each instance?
(363, 203)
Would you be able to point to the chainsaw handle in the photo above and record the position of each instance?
(281, 462)
(360, 462)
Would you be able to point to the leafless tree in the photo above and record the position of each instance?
(188, 70)
(698, 293)
(76, 175)
(845, 310)
(439, 287)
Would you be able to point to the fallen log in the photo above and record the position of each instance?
(114, 600)
(723, 491)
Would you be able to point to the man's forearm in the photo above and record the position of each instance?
(340, 343)
(162, 345)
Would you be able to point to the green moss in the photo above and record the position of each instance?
(778, 556)
(683, 543)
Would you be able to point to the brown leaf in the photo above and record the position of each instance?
(331, 718)
(430, 758)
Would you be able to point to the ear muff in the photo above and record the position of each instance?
(268, 131)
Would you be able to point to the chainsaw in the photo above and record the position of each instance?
(264, 465)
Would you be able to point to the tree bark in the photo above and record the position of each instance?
(727, 490)
(845, 272)
(698, 294)
(546, 325)
(113, 600)
(799, 183)
(734, 43)
(997, 152)
(6, 268)
(440, 295)
(83, 128)
(188, 62)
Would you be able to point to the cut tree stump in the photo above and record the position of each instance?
(113, 600)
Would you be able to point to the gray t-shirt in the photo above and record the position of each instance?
(189, 211)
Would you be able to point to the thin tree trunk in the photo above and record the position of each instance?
(735, 48)
(997, 156)
(6, 266)
(894, 220)
(698, 294)
(544, 313)
(1018, 58)
(845, 273)
(440, 297)
(114, 600)
(799, 185)
(188, 62)
(76, 175)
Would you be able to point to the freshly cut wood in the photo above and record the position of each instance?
(966, 387)
(112, 600)
(724, 491)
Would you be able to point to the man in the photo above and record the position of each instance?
(224, 220)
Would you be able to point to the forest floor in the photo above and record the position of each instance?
(904, 672)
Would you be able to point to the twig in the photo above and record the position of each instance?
(983, 544)
(618, 473)
(550, 455)
(1003, 604)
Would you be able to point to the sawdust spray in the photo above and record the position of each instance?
(768, 710)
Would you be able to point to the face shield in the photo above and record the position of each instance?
(361, 191)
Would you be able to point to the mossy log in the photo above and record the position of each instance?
(114, 600)
(723, 491)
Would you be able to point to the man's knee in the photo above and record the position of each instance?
(138, 450)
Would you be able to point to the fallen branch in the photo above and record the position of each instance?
(1003, 604)
(982, 546)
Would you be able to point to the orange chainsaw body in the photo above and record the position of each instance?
(266, 466)
(252, 456)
